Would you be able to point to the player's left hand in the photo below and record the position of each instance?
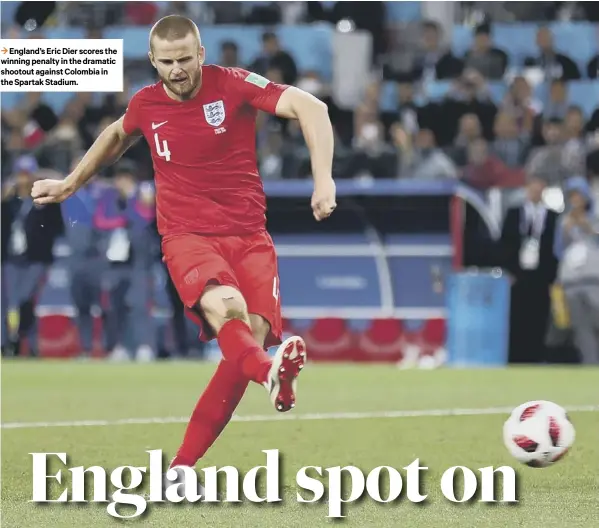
(323, 199)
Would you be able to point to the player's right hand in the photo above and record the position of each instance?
(323, 199)
(49, 191)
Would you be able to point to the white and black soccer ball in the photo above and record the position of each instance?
(538, 433)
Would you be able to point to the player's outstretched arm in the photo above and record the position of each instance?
(313, 116)
(110, 145)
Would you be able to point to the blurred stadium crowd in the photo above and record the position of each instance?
(496, 95)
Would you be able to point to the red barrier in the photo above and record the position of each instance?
(383, 340)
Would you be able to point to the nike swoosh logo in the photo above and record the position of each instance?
(155, 126)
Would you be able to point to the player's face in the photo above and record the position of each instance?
(178, 64)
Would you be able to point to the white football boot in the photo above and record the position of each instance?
(287, 363)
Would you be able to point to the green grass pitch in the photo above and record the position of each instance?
(565, 495)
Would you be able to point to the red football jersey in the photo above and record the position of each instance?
(204, 151)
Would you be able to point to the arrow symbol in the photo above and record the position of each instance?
(4, 50)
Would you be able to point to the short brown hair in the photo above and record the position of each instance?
(174, 27)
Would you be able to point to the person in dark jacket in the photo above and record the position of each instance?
(527, 253)
(434, 61)
(28, 236)
(555, 65)
(273, 57)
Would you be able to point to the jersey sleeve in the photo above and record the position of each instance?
(131, 121)
(256, 90)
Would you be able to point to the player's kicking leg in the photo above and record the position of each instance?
(226, 389)
(226, 311)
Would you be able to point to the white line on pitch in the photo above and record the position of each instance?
(287, 417)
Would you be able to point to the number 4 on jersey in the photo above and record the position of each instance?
(166, 153)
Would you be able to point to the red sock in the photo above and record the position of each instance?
(240, 348)
(212, 413)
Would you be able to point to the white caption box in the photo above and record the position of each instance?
(65, 65)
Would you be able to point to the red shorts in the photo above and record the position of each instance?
(248, 263)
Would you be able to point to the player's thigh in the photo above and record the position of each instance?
(258, 275)
(195, 262)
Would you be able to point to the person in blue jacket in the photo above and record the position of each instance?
(86, 264)
(577, 248)
(123, 216)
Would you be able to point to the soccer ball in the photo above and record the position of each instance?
(538, 433)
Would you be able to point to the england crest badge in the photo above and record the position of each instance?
(215, 113)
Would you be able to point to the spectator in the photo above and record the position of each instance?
(592, 125)
(521, 105)
(592, 166)
(273, 56)
(404, 149)
(526, 253)
(64, 141)
(469, 95)
(229, 54)
(577, 247)
(271, 155)
(575, 142)
(469, 129)
(548, 162)
(489, 61)
(28, 236)
(429, 162)
(372, 155)
(86, 265)
(407, 110)
(311, 82)
(433, 62)
(485, 170)
(123, 216)
(509, 145)
(593, 68)
(557, 106)
(554, 65)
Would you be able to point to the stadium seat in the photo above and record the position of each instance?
(404, 11)
(517, 40)
(65, 33)
(576, 39)
(9, 10)
(437, 90)
(134, 87)
(135, 40)
(388, 100)
(329, 340)
(57, 100)
(8, 100)
(247, 39)
(461, 40)
(310, 46)
(58, 337)
(382, 341)
(497, 91)
(584, 93)
(434, 333)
